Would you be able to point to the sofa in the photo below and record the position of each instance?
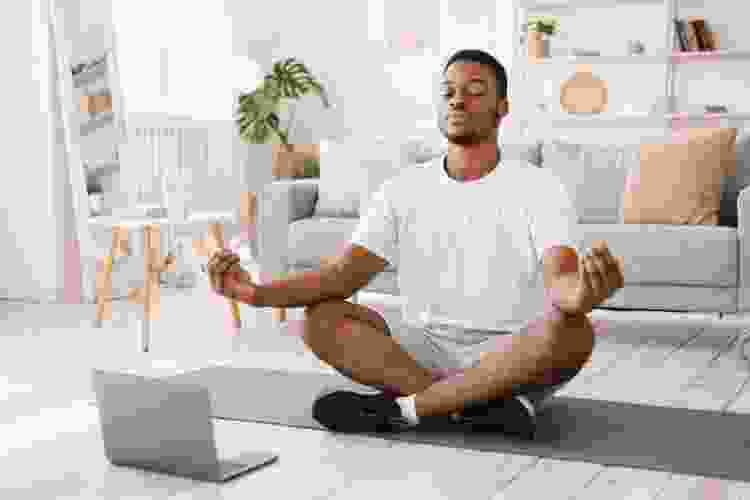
(667, 266)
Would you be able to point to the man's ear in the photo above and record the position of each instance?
(502, 107)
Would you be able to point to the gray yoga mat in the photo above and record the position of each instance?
(677, 440)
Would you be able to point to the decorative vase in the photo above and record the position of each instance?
(538, 45)
(583, 93)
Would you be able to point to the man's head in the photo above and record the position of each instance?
(472, 98)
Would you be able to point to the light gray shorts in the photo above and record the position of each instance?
(438, 350)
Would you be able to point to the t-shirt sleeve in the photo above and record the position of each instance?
(377, 229)
(554, 217)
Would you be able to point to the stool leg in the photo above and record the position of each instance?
(104, 293)
(216, 230)
(279, 314)
(104, 282)
(145, 334)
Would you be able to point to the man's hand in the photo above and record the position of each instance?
(577, 289)
(228, 279)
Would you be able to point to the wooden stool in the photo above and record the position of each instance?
(148, 295)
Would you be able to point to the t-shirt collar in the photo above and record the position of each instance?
(447, 178)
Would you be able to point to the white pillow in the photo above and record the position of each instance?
(424, 147)
(341, 180)
(351, 171)
(381, 161)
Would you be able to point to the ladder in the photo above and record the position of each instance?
(79, 286)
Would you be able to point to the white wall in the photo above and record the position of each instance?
(29, 235)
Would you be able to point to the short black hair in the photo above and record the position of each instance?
(482, 57)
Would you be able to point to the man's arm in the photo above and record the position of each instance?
(339, 279)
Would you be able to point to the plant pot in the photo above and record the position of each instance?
(538, 45)
(290, 163)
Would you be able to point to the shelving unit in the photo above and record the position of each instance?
(90, 75)
(97, 121)
(670, 58)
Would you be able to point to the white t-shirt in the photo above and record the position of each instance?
(469, 254)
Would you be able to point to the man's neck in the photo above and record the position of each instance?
(471, 163)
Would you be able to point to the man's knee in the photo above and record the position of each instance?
(336, 317)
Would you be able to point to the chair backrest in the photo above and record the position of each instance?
(160, 147)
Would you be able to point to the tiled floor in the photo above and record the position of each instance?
(53, 449)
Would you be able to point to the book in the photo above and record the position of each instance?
(701, 36)
(691, 35)
(681, 34)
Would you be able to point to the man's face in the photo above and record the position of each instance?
(468, 104)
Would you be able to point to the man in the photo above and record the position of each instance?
(487, 263)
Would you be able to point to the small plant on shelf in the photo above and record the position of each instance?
(546, 25)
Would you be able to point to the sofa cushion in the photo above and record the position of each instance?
(707, 254)
(581, 166)
(352, 169)
(341, 180)
(315, 237)
(680, 182)
(423, 148)
(529, 151)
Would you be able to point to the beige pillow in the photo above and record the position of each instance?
(680, 183)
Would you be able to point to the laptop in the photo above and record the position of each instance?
(152, 424)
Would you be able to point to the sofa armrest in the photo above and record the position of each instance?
(743, 236)
(279, 204)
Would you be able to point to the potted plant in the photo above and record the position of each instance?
(257, 114)
(539, 29)
(311, 168)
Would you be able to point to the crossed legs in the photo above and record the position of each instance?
(355, 340)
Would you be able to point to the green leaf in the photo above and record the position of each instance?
(257, 113)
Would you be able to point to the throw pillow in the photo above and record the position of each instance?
(680, 183)
(525, 151)
(593, 175)
(420, 149)
(340, 181)
(380, 162)
(350, 172)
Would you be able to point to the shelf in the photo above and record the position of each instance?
(646, 120)
(709, 56)
(103, 167)
(675, 57)
(547, 5)
(97, 122)
(710, 119)
(89, 76)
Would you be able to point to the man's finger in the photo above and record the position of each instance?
(227, 263)
(592, 279)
